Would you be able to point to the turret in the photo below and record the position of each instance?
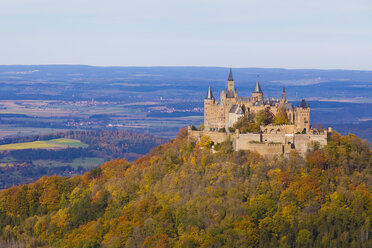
(230, 82)
(209, 95)
(302, 117)
(208, 109)
(257, 92)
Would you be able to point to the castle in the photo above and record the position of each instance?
(294, 133)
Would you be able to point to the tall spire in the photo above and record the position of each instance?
(209, 95)
(257, 88)
(283, 96)
(230, 76)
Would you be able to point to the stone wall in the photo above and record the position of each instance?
(273, 138)
(216, 137)
(241, 141)
(274, 129)
(267, 149)
(303, 142)
(264, 144)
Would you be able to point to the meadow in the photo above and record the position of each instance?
(45, 144)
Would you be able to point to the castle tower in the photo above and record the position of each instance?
(208, 109)
(257, 93)
(230, 82)
(302, 117)
(283, 100)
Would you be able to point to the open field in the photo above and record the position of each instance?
(45, 144)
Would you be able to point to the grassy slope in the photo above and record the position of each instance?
(45, 144)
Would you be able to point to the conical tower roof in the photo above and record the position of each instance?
(230, 76)
(209, 94)
(257, 88)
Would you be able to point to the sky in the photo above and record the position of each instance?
(319, 34)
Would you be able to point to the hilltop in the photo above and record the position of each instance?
(182, 194)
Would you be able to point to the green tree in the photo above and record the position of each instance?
(264, 117)
(245, 124)
(304, 238)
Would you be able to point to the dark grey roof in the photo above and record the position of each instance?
(209, 94)
(303, 103)
(244, 98)
(233, 108)
(230, 76)
(229, 93)
(257, 88)
(240, 111)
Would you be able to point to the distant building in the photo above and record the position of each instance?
(220, 116)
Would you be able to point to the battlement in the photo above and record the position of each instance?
(264, 144)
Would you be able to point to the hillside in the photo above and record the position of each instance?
(183, 195)
(26, 159)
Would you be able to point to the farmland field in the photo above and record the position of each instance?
(45, 144)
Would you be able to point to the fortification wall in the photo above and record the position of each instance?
(274, 129)
(264, 144)
(216, 137)
(275, 138)
(303, 142)
(266, 149)
(240, 141)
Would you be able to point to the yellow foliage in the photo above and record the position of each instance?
(205, 142)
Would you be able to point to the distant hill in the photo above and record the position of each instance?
(363, 129)
(28, 158)
(183, 195)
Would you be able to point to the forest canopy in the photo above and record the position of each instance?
(182, 195)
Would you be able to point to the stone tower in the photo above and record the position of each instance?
(302, 117)
(208, 109)
(257, 92)
(230, 82)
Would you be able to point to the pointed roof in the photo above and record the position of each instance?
(209, 93)
(283, 96)
(230, 76)
(233, 108)
(257, 88)
(240, 111)
(303, 104)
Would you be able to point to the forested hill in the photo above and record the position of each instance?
(183, 195)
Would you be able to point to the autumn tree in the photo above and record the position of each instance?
(281, 117)
(264, 117)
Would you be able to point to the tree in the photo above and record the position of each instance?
(264, 117)
(281, 117)
(304, 238)
(245, 124)
(205, 141)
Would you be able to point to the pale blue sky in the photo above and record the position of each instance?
(239, 33)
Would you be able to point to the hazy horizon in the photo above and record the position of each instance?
(201, 66)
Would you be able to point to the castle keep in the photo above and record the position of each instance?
(292, 133)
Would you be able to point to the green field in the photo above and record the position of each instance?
(45, 144)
